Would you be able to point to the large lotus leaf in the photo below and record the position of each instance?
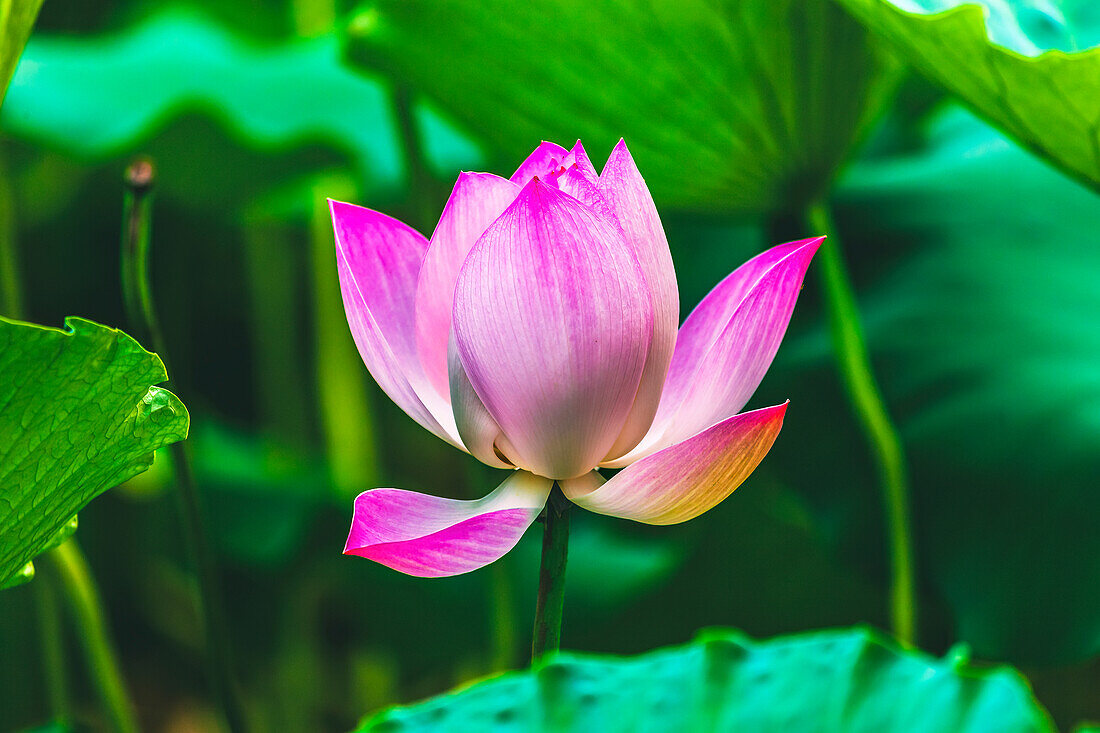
(97, 97)
(746, 105)
(848, 680)
(978, 266)
(1031, 67)
(79, 413)
(16, 20)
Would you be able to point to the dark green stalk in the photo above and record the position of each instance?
(11, 292)
(551, 595)
(85, 604)
(141, 314)
(854, 363)
(53, 647)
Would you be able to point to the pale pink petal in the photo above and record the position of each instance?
(545, 159)
(477, 199)
(727, 344)
(685, 480)
(479, 431)
(625, 191)
(378, 259)
(430, 537)
(552, 322)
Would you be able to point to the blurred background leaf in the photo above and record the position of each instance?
(979, 268)
(1028, 66)
(829, 681)
(745, 106)
(16, 20)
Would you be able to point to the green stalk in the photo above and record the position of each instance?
(551, 595)
(84, 602)
(53, 648)
(141, 314)
(859, 381)
(11, 292)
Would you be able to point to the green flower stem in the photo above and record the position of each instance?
(141, 314)
(859, 381)
(551, 596)
(11, 293)
(53, 649)
(84, 602)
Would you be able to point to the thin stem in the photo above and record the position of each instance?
(84, 602)
(53, 648)
(11, 291)
(141, 314)
(863, 391)
(551, 597)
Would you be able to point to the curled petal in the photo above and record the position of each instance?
(552, 323)
(685, 480)
(545, 159)
(476, 200)
(727, 344)
(431, 537)
(626, 193)
(378, 259)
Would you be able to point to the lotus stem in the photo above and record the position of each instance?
(53, 648)
(551, 595)
(854, 363)
(11, 291)
(141, 314)
(84, 602)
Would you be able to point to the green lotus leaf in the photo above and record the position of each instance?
(1030, 67)
(747, 105)
(846, 680)
(79, 414)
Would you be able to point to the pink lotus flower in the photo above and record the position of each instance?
(537, 331)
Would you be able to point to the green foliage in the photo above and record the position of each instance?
(78, 415)
(1030, 68)
(103, 96)
(981, 315)
(16, 20)
(747, 106)
(846, 680)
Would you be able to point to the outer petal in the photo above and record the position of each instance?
(625, 191)
(378, 259)
(477, 199)
(430, 537)
(552, 322)
(727, 344)
(681, 482)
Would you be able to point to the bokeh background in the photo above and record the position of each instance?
(975, 263)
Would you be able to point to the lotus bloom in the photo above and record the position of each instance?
(537, 331)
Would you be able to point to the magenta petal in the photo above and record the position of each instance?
(685, 480)
(579, 157)
(625, 191)
(727, 344)
(545, 159)
(552, 322)
(431, 537)
(477, 199)
(378, 259)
